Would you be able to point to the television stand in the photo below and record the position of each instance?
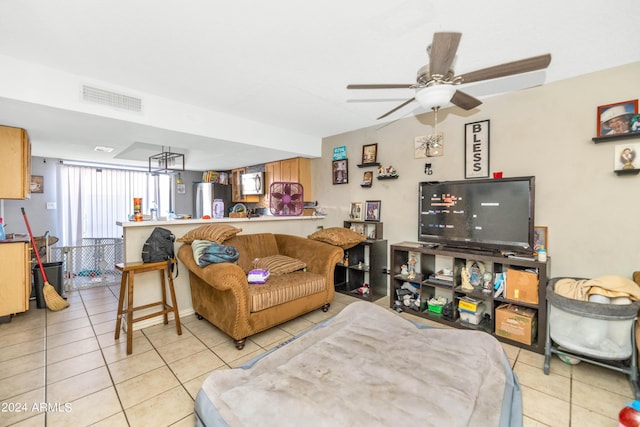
(438, 273)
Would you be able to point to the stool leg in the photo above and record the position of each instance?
(130, 313)
(164, 294)
(174, 304)
(123, 283)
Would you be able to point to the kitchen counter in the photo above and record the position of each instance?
(147, 286)
(192, 221)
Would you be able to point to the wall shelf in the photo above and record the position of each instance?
(599, 139)
(368, 165)
(389, 177)
(627, 172)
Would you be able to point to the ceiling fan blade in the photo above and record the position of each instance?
(464, 100)
(443, 51)
(396, 109)
(381, 86)
(508, 69)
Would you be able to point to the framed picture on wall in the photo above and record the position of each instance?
(340, 171)
(37, 184)
(476, 142)
(369, 153)
(618, 118)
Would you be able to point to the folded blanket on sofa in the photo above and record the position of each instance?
(206, 252)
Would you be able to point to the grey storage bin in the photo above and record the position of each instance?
(602, 334)
(55, 276)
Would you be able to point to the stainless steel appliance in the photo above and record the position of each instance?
(253, 183)
(204, 196)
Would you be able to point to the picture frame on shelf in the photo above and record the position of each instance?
(369, 153)
(371, 232)
(358, 228)
(540, 238)
(340, 171)
(476, 143)
(372, 210)
(367, 179)
(625, 158)
(618, 118)
(357, 211)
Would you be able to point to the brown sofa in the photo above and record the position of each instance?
(221, 294)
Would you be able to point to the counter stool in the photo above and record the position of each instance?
(129, 270)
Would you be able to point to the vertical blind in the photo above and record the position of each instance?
(93, 199)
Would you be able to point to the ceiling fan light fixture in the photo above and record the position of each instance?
(435, 96)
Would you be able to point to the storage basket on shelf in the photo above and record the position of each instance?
(594, 332)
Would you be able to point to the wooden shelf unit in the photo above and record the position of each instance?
(432, 259)
(367, 263)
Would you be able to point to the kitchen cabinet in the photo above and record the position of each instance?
(297, 169)
(15, 282)
(15, 174)
(236, 188)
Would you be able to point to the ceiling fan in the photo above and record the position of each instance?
(436, 82)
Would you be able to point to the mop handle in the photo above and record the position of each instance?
(34, 247)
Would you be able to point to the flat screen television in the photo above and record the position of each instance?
(483, 214)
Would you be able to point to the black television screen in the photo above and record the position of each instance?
(492, 214)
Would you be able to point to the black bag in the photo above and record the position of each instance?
(159, 247)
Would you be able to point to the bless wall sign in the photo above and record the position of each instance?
(476, 140)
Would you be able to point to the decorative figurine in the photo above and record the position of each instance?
(403, 270)
(412, 264)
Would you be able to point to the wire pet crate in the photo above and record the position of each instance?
(90, 264)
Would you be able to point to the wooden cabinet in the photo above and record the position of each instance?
(364, 264)
(15, 280)
(236, 188)
(431, 266)
(297, 169)
(15, 174)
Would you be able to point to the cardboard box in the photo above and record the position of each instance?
(516, 323)
(522, 286)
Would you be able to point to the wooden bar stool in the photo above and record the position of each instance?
(129, 270)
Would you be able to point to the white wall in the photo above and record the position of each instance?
(593, 214)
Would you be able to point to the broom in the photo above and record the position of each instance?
(54, 301)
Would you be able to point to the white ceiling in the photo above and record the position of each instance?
(253, 81)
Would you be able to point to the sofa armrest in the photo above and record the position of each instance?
(320, 257)
(222, 276)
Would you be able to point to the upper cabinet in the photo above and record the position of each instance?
(15, 174)
(236, 187)
(297, 169)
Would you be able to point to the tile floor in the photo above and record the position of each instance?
(65, 369)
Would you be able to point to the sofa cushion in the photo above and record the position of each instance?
(284, 288)
(338, 236)
(252, 246)
(279, 264)
(214, 232)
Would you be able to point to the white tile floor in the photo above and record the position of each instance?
(65, 369)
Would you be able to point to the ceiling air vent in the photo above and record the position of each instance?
(111, 99)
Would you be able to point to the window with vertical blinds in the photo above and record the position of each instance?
(94, 198)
